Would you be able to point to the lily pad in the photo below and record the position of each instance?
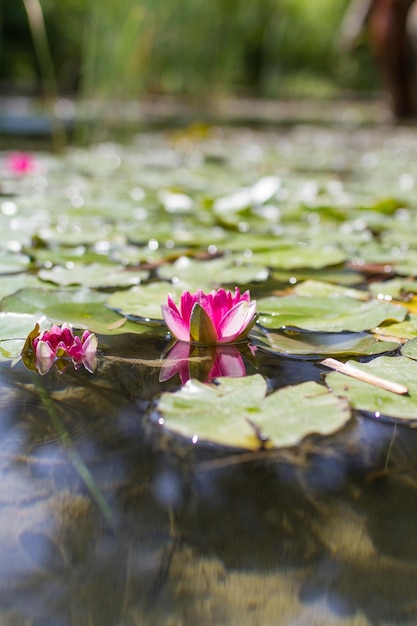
(315, 344)
(402, 330)
(211, 274)
(410, 349)
(82, 309)
(237, 413)
(296, 257)
(327, 314)
(96, 275)
(144, 301)
(381, 403)
(394, 288)
(15, 327)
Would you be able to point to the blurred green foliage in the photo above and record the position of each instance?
(131, 47)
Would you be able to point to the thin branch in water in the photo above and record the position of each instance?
(391, 444)
(366, 377)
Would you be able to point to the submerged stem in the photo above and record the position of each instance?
(74, 457)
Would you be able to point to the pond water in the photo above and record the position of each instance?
(110, 514)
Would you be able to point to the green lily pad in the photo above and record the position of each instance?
(315, 344)
(211, 274)
(394, 288)
(410, 349)
(14, 328)
(367, 397)
(402, 330)
(95, 275)
(144, 301)
(295, 257)
(82, 309)
(326, 314)
(237, 413)
(320, 288)
(335, 276)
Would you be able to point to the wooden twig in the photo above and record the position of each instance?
(355, 372)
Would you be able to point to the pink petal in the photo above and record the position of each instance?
(202, 329)
(236, 320)
(89, 344)
(186, 305)
(176, 325)
(45, 357)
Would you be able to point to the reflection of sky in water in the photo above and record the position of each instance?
(322, 535)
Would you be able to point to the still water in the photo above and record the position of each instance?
(105, 520)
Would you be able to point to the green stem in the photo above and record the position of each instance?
(74, 457)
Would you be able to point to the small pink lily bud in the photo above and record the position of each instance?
(59, 345)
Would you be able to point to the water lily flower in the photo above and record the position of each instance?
(20, 162)
(59, 345)
(210, 319)
(202, 362)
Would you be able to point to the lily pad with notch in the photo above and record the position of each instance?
(238, 413)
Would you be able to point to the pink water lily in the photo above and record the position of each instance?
(20, 162)
(59, 345)
(210, 319)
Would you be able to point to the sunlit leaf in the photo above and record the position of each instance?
(314, 344)
(298, 256)
(367, 397)
(211, 274)
(82, 309)
(143, 301)
(97, 275)
(14, 328)
(329, 314)
(237, 413)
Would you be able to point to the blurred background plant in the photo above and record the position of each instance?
(131, 48)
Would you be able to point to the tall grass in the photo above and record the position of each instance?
(128, 48)
(193, 46)
(36, 21)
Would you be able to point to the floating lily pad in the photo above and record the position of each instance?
(330, 276)
(410, 349)
(144, 301)
(96, 275)
(394, 288)
(321, 288)
(402, 330)
(329, 314)
(315, 344)
(294, 257)
(14, 328)
(237, 413)
(367, 397)
(82, 309)
(211, 274)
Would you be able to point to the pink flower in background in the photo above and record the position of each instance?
(20, 162)
(59, 345)
(210, 319)
(202, 362)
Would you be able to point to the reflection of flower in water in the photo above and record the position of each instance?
(204, 362)
(20, 162)
(59, 346)
(218, 317)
